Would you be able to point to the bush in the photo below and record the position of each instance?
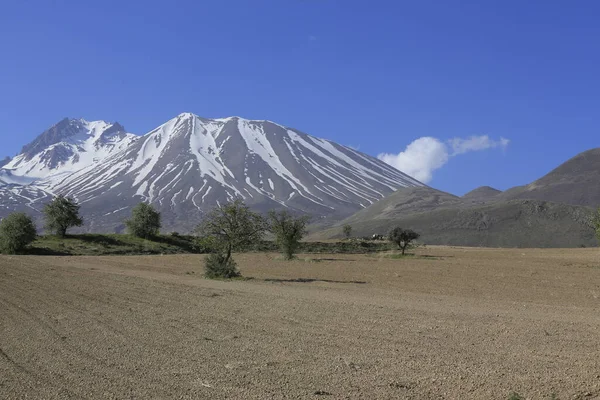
(288, 231)
(175, 234)
(61, 214)
(347, 231)
(218, 265)
(16, 231)
(595, 222)
(144, 222)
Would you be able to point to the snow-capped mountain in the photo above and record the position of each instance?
(68, 146)
(190, 164)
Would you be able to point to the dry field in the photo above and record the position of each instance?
(464, 324)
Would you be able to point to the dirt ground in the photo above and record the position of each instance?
(456, 323)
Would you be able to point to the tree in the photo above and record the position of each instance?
(347, 231)
(229, 228)
(16, 231)
(288, 231)
(144, 221)
(61, 214)
(402, 237)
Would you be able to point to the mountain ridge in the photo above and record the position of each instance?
(189, 164)
(574, 182)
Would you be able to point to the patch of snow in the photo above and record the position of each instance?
(190, 192)
(205, 194)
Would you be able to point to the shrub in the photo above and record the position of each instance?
(61, 214)
(16, 231)
(403, 237)
(288, 231)
(144, 221)
(595, 223)
(175, 234)
(347, 231)
(218, 265)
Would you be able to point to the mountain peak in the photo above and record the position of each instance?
(482, 193)
(187, 115)
(64, 128)
(66, 146)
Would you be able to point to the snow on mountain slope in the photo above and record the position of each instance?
(190, 164)
(68, 146)
(29, 199)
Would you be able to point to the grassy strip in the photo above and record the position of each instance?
(112, 244)
(120, 244)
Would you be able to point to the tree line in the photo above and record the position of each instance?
(224, 230)
(18, 229)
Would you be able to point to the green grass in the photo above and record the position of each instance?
(111, 244)
(119, 244)
(349, 247)
(341, 247)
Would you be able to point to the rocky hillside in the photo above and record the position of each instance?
(577, 181)
(482, 194)
(516, 223)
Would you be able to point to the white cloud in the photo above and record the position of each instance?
(427, 154)
(420, 159)
(476, 143)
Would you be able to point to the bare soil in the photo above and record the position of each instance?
(452, 323)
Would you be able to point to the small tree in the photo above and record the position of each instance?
(144, 221)
(61, 214)
(217, 266)
(347, 231)
(16, 231)
(228, 228)
(402, 237)
(288, 231)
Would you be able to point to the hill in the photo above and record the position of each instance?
(576, 181)
(481, 194)
(405, 202)
(516, 223)
(553, 211)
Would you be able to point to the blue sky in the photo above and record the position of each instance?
(378, 75)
